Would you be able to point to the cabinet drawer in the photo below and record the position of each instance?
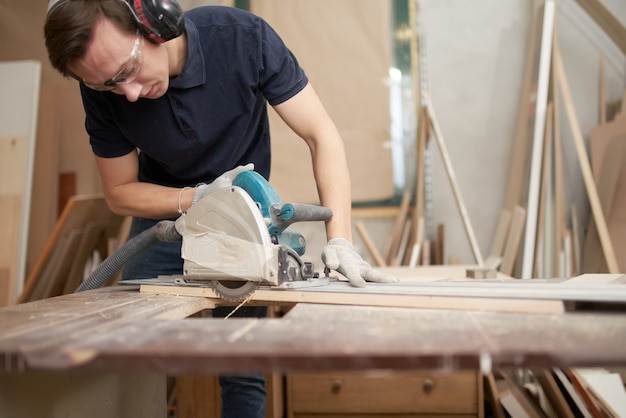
(384, 392)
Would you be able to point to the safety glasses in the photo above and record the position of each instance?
(129, 70)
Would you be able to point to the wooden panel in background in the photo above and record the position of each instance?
(20, 82)
(79, 212)
(328, 39)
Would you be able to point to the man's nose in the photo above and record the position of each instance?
(130, 90)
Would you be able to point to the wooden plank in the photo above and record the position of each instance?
(585, 167)
(44, 212)
(5, 286)
(537, 141)
(391, 249)
(606, 20)
(542, 248)
(595, 278)
(553, 393)
(417, 226)
(516, 401)
(454, 296)
(583, 393)
(559, 183)
(18, 120)
(601, 92)
(453, 183)
(369, 244)
(500, 235)
(513, 241)
(527, 103)
(577, 404)
(10, 207)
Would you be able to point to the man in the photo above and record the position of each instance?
(172, 117)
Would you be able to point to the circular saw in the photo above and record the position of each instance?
(235, 240)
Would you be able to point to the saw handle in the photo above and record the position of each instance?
(289, 213)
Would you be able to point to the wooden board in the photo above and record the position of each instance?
(585, 166)
(343, 294)
(319, 33)
(606, 20)
(543, 81)
(18, 118)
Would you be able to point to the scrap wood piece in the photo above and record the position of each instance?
(611, 181)
(606, 20)
(369, 244)
(513, 240)
(514, 400)
(527, 102)
(553, 393)
(560, 230)
(606, 388)
(416, 248)
(453, 183)
(542, 244)
(491, 395)
(577, 404)
(391, 249)
(602, 91)
(404, 243)
(500, 235)
(583, 159)
(576, 261)
(417, 230)
(480, 273)
(583, 392)
(543, 82)
(5, 286)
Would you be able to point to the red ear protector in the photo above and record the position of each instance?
(160, 20)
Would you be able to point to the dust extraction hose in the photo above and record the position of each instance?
(164, 231)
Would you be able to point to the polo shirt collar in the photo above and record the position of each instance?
(193, 73)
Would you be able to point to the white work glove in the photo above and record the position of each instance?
(223, 181)
(340, 255)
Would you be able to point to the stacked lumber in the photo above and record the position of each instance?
(86, 233)
(555, 392)
(540, 242)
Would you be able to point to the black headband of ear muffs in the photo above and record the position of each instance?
(160, 20)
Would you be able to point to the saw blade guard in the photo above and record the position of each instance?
(225, 237)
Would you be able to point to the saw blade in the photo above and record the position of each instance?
(234, 290)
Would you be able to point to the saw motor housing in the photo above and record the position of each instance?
(239, 234)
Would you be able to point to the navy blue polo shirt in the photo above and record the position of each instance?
(214, 114)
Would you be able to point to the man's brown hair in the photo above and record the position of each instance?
(69, 28)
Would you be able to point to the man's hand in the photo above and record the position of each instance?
(223, 181)
(341, 256)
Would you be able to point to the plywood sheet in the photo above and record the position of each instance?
(19, 81)
(346, 56)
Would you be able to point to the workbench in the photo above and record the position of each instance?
(110, 349)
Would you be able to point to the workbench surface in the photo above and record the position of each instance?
(119, 328)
